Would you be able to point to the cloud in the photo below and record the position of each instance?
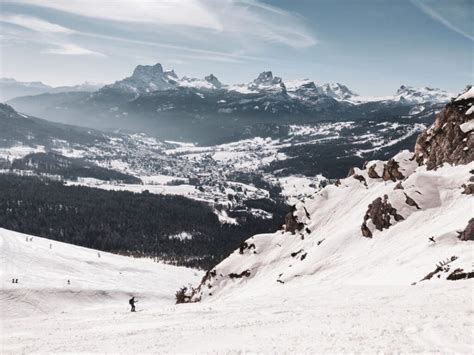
(453, 15)
(35, 24)
(169, 12)
(73, 49)
(244, 21)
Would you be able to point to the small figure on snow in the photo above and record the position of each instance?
(132, 302)
(16, 281)
(13, 281)
(68, 282)
(431, 239)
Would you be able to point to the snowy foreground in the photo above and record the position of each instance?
(43, 314)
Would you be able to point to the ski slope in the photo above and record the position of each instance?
(98, 280)
(43, 314)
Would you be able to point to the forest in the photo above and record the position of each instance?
(128, 223)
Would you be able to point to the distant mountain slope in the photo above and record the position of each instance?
(10, 88)
(17, 127)
(408, 220)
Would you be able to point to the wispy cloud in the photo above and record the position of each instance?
(429, 8)
(246, 21)
(73, 49)
(169, 12)
(35, 24)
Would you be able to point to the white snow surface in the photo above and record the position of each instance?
(332, 264)
(469, 94)
(399, 255)
(467, 126)
(42, 314)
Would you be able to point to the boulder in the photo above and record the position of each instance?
(379, 212)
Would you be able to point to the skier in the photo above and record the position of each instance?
(68, 282)
(132, 303)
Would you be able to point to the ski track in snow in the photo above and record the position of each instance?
(42, 314)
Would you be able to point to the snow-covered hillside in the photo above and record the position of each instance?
(392, 223)
(330, 252)
(43, 314)
(97, 279)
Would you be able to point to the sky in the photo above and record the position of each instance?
(372, 46)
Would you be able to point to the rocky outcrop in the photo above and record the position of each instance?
(468, 233)
(380, 213)
(350, 172)
(291, 223)
(448, 140)
(411, 202)
(391, 172)
(468, 189)
(360, 178)
(372, 173)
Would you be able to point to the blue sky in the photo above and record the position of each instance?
(372, 46)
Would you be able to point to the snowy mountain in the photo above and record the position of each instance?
(171, 107)
(380, 261)
(150, 78)
(406, 221)
(10, 88)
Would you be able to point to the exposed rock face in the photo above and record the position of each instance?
(391, 172)
(468, 189)
(213, 80)
(468, 233)
(291, 223)
(372, 173)
(399, 186)
(411, 202)
(445, 141)
(379, 212)
(351, 172)
(361, 179)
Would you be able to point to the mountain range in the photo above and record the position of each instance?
(11, 88)
(204, 110)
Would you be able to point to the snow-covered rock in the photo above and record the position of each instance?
(449, 139)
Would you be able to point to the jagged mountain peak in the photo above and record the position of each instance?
(267, 82)
(147, 70)
(212, 79)
(267, 78)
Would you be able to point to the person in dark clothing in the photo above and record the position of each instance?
(132, 303)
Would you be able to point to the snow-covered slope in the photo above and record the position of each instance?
(329, 252)
(97, 279)
(391, 223)
(42, 314)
